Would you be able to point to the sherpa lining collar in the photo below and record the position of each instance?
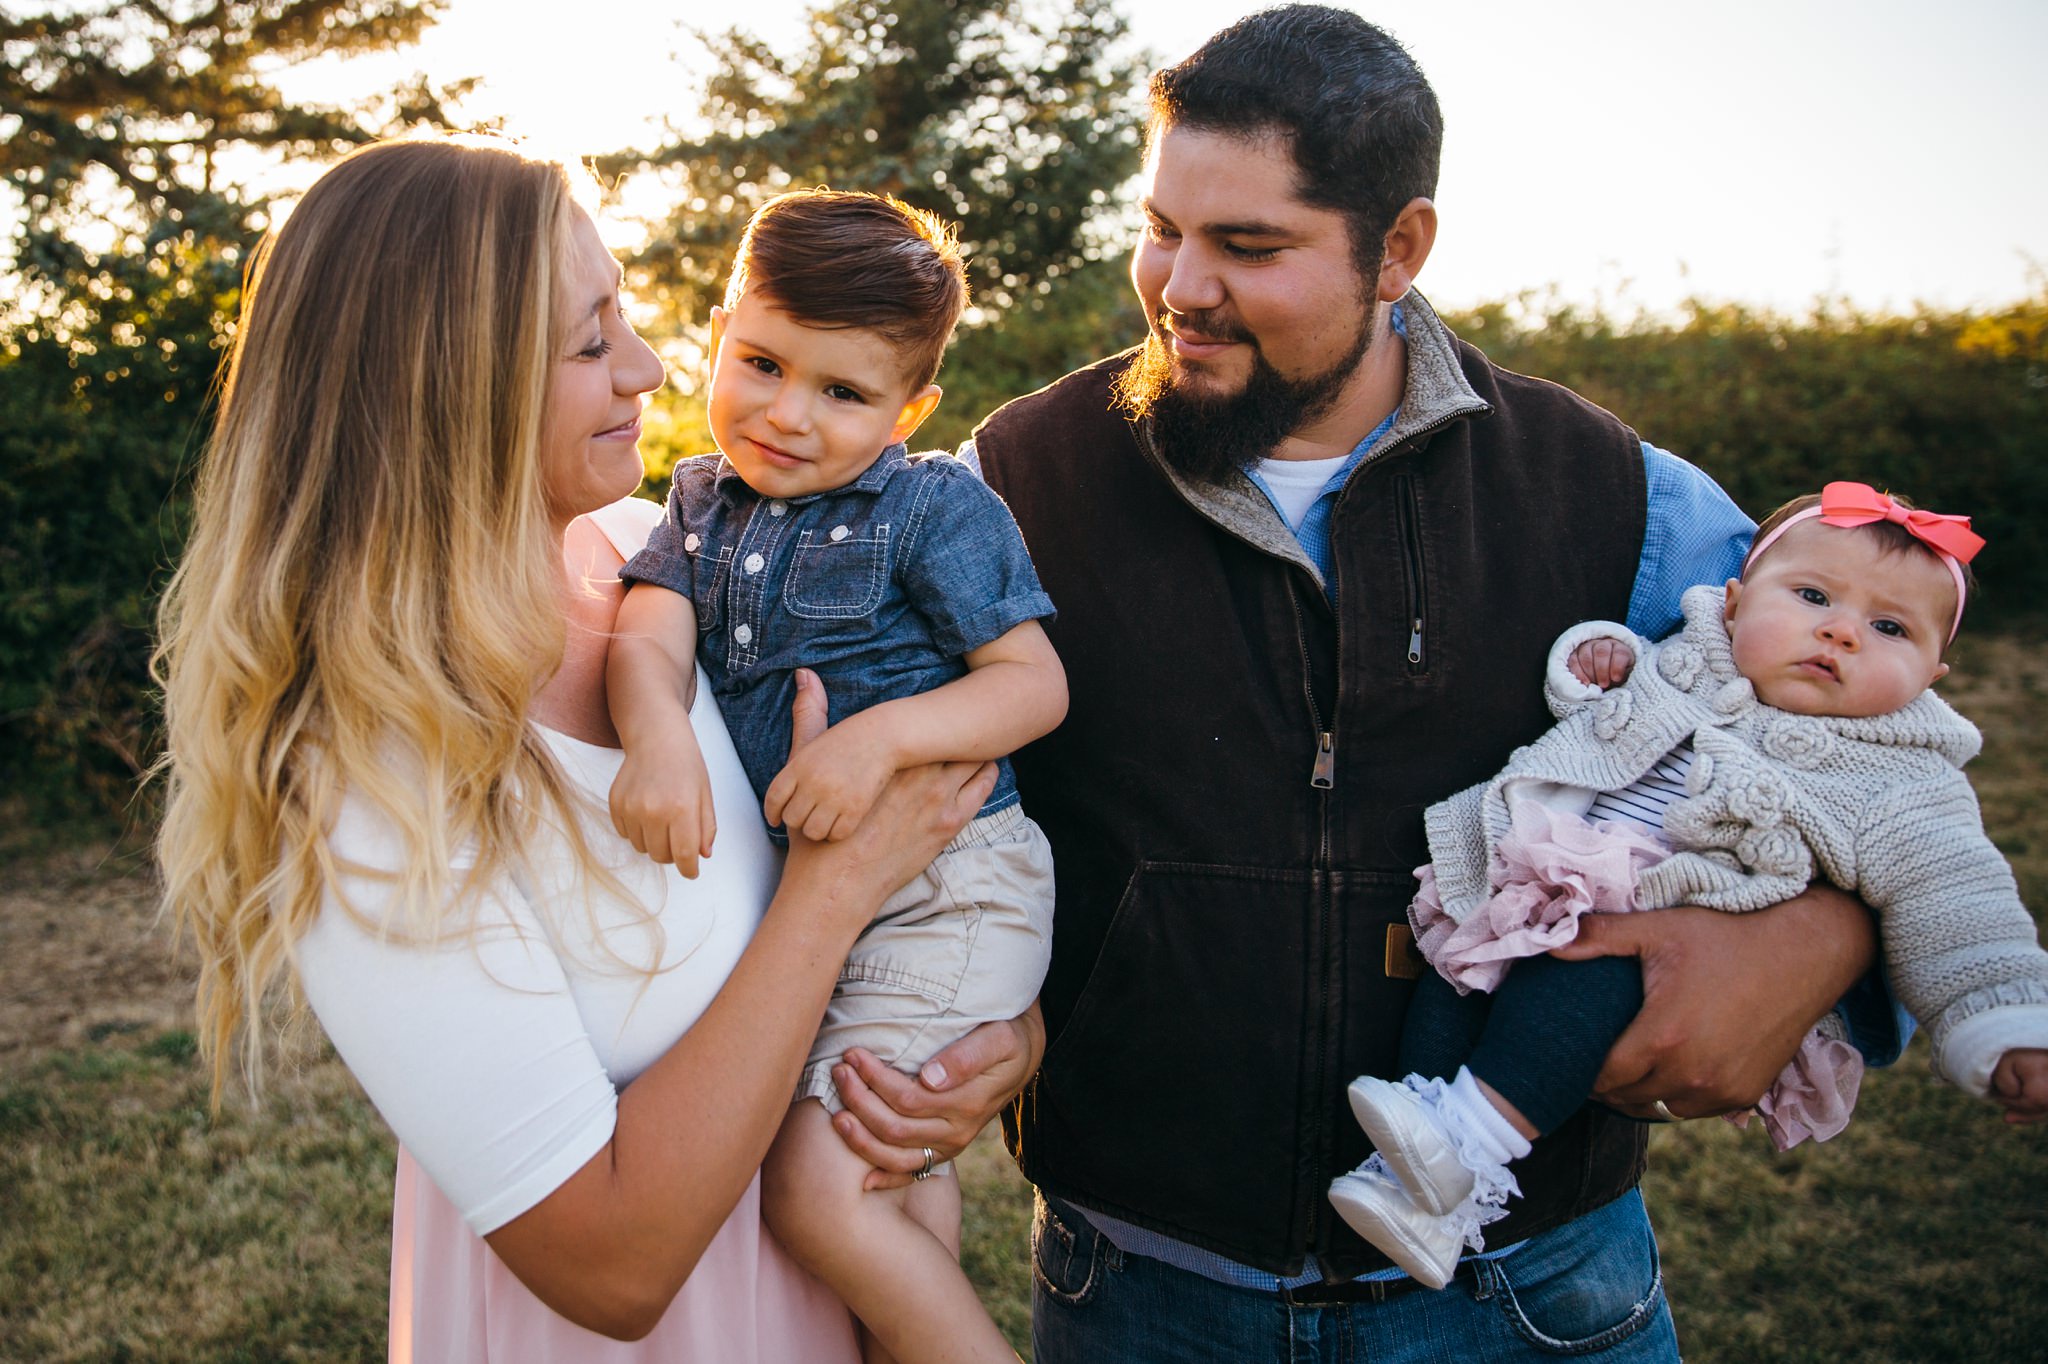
(1435, 393)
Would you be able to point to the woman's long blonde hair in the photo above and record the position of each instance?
(370, 595)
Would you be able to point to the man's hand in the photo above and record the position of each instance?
(1727, 998)
(1601, 663)
(661, 800)
(891, 1117)
(2020, 1084)
(830, 783)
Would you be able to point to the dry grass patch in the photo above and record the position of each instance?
(145, 1230)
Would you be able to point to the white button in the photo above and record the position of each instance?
(691, 541)
(777, 507)
(743, 634)
(840, 532)
(755, 563)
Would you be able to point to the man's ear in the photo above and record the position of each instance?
(1406, 248)
(913, 414)
(1728, 608)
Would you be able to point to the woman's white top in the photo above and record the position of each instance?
(497, 1058)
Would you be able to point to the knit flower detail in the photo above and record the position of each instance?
(1757, 798)
(1776, 851)
(1680, 664)
(1734, 698)
(1798, 741)
(1611, 712)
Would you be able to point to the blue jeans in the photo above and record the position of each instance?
(1591, 1287)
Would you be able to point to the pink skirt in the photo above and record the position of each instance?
(1549, 871)
(454, 1301)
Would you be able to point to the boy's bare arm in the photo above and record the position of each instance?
(1015, 690)
(661, 799)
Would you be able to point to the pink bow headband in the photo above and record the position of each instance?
(1858, 504)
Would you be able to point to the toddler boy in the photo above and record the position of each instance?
(814, 540)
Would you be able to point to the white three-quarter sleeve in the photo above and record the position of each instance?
(474, 1051)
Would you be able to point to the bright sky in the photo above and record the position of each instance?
(1768, 151)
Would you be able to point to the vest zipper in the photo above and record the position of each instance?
(1411, 544)
(1323, 777)
(1323, 772)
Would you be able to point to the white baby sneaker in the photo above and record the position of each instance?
(1379, 1209)
(1415, 1143)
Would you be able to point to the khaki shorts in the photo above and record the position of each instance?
(965, 943)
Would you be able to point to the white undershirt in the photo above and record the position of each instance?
(1294, 484)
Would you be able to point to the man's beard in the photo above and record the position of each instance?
(1206, 437)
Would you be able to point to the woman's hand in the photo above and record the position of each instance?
(917, 814)
(1727, 998)
(890, 1118)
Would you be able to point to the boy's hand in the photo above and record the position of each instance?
(661, 800)
(830, 783)
(2020, 1084)
(1602, 663)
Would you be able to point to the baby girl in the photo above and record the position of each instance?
(1785, 732)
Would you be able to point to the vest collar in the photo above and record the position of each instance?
(1435, 393)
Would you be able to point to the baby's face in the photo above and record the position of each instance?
(801, 409)
(1828, 623)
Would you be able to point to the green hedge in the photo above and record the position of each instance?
(101, 417)
(1948, 408)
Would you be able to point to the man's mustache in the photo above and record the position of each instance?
(1213, 324)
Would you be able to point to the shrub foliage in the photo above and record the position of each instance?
(129, 135)
(1949, 408)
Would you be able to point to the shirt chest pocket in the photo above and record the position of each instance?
(710, 572)
(838, 572)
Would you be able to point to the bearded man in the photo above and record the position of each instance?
(1309, 552)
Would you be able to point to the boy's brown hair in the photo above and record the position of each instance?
(834, 259)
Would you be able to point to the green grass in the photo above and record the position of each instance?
(139, 1229)
(133, 1227)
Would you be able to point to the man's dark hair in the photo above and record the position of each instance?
(831, 259)
(1361, 119)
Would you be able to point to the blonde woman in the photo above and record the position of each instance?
(383, 665)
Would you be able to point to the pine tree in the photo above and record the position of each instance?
(132, 141)
(1019, 119)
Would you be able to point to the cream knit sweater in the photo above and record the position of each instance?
(1877, 806)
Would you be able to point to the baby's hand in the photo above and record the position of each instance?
(830, 782)
(661, 800)
(2020, 1084)
(1602, 663)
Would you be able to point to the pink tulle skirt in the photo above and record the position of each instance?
(454, 1302)
(1550, 870)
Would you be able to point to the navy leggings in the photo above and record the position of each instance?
(1538, 1039)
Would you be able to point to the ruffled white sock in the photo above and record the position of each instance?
(1485, 1142)
(1495, 1135)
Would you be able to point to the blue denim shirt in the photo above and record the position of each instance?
(881, 587)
